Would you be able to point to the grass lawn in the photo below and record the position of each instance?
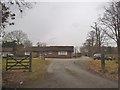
(11, 79)
(111, 68)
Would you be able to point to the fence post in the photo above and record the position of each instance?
(6, 62)
(30, 62)
(103, 63)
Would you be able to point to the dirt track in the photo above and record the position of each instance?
(66, 74)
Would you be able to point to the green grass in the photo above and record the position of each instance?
(38, 69)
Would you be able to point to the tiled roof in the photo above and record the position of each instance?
(50, 48)
(44, 49)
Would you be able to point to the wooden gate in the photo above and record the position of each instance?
(19, 62)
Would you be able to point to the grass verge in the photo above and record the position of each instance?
(12, 79)
(111, 68)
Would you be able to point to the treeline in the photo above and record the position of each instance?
(105, 30)
(16, 38)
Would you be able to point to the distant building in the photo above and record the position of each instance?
(51, 51)
(47, 51)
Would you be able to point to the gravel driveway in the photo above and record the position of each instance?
(64, 73)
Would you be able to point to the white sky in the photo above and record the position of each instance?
(59, 23)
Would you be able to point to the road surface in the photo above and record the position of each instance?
(64, 73)
(0, 73)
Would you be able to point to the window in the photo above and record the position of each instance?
(27, 53)
(62, 53)
(49, 52)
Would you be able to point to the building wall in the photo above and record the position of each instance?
(20, 50)
(48, 52)
(5, 53)
(55, 55)
(35, 54)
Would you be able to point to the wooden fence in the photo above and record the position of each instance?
(23, 62)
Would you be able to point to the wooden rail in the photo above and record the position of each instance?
(19, 62)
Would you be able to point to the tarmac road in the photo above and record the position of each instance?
(0, 73)
(64, 73)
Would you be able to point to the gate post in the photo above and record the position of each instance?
(30, 62)
(6, 62)
(103, 63)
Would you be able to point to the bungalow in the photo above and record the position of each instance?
(46, 52)
(19, 50)
(7, 51)
(51, 51)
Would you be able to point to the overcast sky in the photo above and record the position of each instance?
(59, 23)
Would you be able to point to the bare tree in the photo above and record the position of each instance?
(41, 44)
(76, 51)
(18, 36)
(100, 36)
(87, 47)
(91, 39)
(100, 40)
(111, 23)
(84, 49)
(8, 11)
(91, 35)
(27, 43)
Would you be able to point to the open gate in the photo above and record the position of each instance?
(19, 62)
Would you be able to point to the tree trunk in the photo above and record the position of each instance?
(103, 63)
(118, 45)
(118, 40)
